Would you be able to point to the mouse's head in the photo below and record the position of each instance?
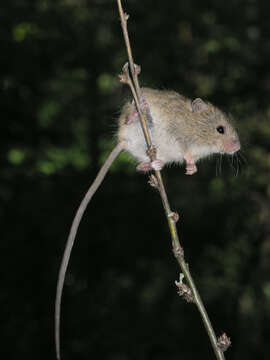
(217, 128)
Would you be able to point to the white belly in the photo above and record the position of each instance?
(168, 150)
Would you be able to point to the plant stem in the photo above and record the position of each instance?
(178, 251)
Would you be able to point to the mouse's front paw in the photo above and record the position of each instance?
(132, 117)
(134, 114)
(191, 168)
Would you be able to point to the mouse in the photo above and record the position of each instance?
(182, 131)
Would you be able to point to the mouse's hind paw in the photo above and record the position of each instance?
(147, 166)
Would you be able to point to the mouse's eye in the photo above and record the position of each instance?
(221, 129)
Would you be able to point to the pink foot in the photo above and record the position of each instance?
(134, 115)
(191, 168)
(147, 166)
(144, 166)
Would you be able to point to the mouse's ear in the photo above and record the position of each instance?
(198, 105)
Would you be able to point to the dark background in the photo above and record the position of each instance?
(60, 99)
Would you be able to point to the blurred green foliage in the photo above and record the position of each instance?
(60, 99)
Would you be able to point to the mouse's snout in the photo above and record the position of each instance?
(236, 145)
(232, 145)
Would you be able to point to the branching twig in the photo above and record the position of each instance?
(190, 292)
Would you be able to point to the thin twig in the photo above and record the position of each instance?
(171, 216)
(124, 18)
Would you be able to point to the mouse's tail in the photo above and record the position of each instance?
(72, 234)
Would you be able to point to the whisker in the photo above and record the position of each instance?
(237, 165)
(235, 161)
(220, 164)
(240, 163)
(231, 162)
(233, 165)
(217, 166)
(242, 157)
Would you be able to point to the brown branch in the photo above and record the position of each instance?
(190, 292)
(124, 18)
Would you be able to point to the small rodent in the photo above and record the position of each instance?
(181, 130)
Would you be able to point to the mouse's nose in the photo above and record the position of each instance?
(235, 145)
(232, 145)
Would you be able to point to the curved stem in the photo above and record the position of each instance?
(178, 251)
